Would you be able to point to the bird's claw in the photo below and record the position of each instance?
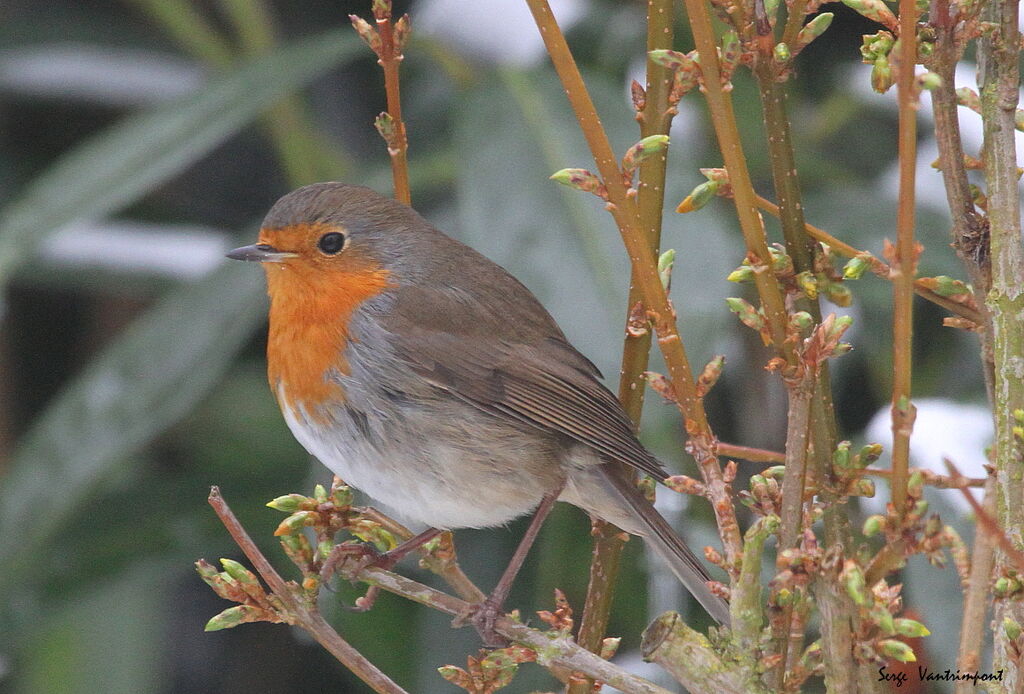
(483, 617)
(355, 557)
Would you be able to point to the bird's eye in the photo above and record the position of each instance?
(331, 243)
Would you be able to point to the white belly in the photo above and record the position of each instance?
(439, 495)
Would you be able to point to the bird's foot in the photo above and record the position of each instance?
(354, 557)
(483, 617)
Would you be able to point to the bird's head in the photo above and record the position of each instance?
(334, 238)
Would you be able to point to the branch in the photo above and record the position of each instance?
(655, 119)
(905, 265)
(553, 649)
(693, 660)
(998, 54)
(972, 630)
(301, 614)
(645, 272)
(387, 41)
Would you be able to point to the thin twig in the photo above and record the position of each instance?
(969, 227)
(905, 266)
(303, 615)
(558, 650)
(447, 568)
(655, 119)
(988, 524)
(878, 266)
(645, 271)
(390, 58)
(972, 629)
(727, 132)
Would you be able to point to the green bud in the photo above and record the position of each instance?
(673, 60)
(897, 650)
(610, 646)
(320, 494)
(775, 472)
(873, 525)
(665, 262)
(1001, 588)
(869, 454)
(784, 598)
(1018, 414)
(839, 294)
(781, 263)
(929, 81)
(807, 282)
(915, 482)
(883, 618)
(644, 149)
(874, 10)
(731, 51)
(1011, 629)
(342, 496)
(965, 96)
(232, 617)
(853, 580)
(813, 29)
(744, 273)
(366, 32)
(947, 286)
(920, 508)
(865, 487)
(699, 197)
(206, 570)
(385, 125)
(881, 75)
(747, 314)
(288, 503)
(239, 572)
(841, 456)
(296, 522)
(911, 628)
(1018, 120)
(402, 30)
(782, 53)
(323, 549)
(757, 481)
(580, 179)
(801, 321)
(855, 267)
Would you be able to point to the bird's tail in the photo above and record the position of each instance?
(669, 546)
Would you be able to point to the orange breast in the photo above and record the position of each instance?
(310, 312)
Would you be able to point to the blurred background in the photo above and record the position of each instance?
(141, 139)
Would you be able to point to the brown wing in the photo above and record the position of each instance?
(514, 366)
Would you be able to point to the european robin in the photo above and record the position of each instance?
(428, 377)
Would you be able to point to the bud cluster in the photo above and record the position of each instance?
(237, 584)
(489, 670)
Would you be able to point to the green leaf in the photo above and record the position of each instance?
(120, 165)
(142, 383)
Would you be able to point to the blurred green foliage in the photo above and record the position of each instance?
(125, 393)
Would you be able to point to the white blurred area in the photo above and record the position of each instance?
(944, 429)
(176, 251)
(500, 31)
(119, 77)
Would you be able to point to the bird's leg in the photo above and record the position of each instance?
(484, 615)
(369, 556)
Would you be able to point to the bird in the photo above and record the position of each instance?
(429, 378)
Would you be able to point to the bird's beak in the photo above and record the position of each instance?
(261, 253)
